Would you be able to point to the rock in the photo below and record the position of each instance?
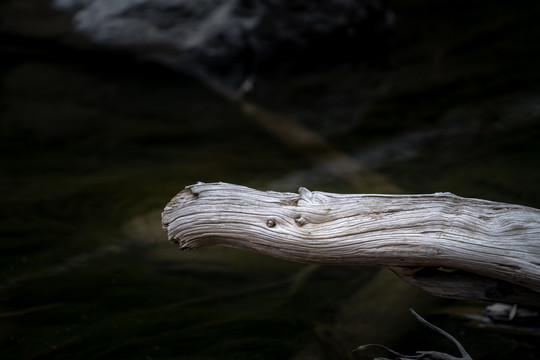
(499, 312)
(234, 39)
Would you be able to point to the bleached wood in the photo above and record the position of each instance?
(497, 245)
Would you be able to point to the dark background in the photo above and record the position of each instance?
(94, 142)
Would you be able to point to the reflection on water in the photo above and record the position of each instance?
(95, 143)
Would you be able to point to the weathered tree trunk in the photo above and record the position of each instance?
(448, 245)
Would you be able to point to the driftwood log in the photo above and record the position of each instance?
(447, 245)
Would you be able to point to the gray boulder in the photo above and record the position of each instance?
(233, 39)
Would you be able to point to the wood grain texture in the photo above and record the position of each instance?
(493, 241)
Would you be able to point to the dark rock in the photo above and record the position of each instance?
(234, 39)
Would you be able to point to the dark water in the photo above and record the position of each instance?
(94, 143)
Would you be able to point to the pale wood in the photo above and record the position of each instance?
(427, 355)
(448, 245)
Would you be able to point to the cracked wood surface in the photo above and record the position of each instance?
(448, 245)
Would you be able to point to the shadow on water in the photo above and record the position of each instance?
(94, 143)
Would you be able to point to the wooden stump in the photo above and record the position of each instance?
(445, 244)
